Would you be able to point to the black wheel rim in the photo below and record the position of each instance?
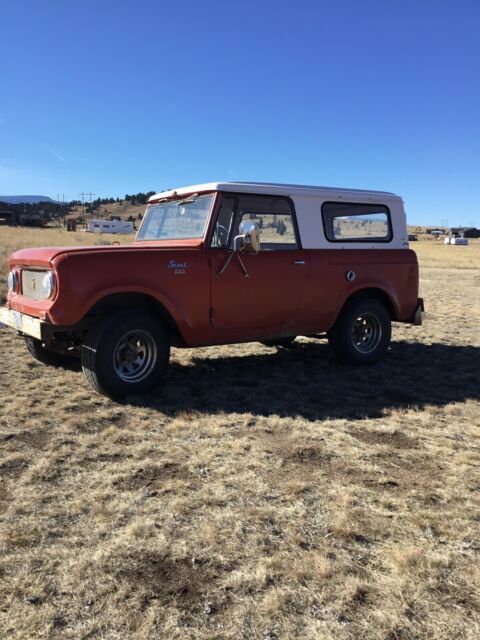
(134, 356)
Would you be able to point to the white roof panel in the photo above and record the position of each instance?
(272, 188)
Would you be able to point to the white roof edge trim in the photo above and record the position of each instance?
(272, 188)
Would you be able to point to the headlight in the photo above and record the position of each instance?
(48, 284)
(13, 280)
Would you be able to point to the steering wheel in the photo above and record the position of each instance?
(220, 236)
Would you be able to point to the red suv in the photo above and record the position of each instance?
(221, 263)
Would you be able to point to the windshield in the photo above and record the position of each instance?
(176, 219)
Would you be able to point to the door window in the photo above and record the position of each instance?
(273, 215)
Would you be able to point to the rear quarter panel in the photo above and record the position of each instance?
(393, 271)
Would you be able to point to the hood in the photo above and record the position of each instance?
(43, 256)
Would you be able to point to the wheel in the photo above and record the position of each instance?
(47, 355)
(126, 352)
(279, 342)
(362, 332)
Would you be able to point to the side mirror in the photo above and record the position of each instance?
(249, 238)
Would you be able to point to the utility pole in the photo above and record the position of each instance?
(83, 204)
(82, 195)
(91, 211)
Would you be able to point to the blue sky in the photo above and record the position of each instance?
(120, 97)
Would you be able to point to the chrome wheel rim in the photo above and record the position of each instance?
(134, 356)
(366, 332)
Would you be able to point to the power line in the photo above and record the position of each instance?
(83, 194)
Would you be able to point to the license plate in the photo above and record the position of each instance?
(17, 320)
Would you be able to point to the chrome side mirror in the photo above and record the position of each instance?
(249, 239)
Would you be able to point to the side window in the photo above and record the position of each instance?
(355, 222)
(274, 217)
(223, 226)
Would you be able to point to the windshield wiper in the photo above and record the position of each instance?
(188, 200)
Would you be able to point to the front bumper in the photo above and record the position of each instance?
(27, 325)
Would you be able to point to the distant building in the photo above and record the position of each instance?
(8, 215)
(465, 232)
(472, 233)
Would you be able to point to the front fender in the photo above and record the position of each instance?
(183, 293)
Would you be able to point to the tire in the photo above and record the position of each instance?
(361, 335)
(125, 353)
(279, 342)
(43, 354)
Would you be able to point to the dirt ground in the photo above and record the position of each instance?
(259, 494)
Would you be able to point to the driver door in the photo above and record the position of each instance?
(264, 290)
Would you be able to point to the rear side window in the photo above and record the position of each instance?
(355, 222)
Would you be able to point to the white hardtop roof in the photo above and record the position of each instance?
(274, 188)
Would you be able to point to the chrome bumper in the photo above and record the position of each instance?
(23, 323)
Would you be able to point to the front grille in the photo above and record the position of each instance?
(32, 284)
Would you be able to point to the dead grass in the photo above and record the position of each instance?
(258, 494)
(434, 253)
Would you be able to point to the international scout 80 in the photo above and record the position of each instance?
(221, 263)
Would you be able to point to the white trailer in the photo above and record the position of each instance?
(454, 240)
(110, 226)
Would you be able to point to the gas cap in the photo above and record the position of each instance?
(351, 275)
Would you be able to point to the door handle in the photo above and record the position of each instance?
(299, 262)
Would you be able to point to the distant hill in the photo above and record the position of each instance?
(123, 210)
(25, 199)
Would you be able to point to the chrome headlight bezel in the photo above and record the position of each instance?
(48, 284)
(13, 280)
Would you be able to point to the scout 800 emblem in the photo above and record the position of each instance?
(179, 268)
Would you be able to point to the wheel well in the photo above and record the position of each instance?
(119, 301)
(377, 294)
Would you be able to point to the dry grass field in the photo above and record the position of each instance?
(260, 494)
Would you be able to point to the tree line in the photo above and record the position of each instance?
(39, 213)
